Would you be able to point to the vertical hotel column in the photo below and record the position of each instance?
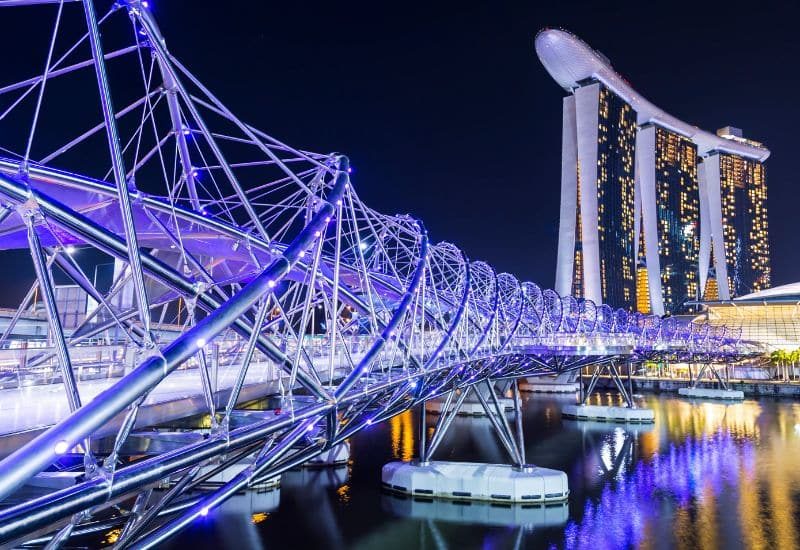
(646, 185)
(704, 260)
(713, 193)
(587, 99)
(565, 265)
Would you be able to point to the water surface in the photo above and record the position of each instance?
(705, 475)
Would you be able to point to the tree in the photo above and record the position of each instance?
(794, 358)
(778, 358)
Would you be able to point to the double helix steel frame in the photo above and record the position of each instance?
(234, 250)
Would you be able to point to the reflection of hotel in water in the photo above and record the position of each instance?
(654, 212)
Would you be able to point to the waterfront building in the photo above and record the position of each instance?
(597, 189)
(743, 209)
(654, 211)
(770, 317)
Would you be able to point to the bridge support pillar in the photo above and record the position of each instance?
(566, 382)
(507, 483)
(337, 455)
(471, 405)
(722, 391)
(628, 413)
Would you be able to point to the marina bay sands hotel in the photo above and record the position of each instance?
(655, 212)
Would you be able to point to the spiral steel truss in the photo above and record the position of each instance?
(236, 253)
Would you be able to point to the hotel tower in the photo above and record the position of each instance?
(654, 211)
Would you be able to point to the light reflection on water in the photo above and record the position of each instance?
(705, 475)
(403, 435)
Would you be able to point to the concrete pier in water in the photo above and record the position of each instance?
(712, 393)
(473, 481)
(605, 413)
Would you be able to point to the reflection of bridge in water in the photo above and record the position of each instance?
(243, 267)
(677, 481)
(633, 503)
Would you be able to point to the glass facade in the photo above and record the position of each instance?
(743, 190)
(675, 164)
(777, 324)
(678, 218)
(616, 138)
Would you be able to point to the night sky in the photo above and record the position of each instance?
(446, 112)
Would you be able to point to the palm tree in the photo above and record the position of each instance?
(778, 359)
(794, 357)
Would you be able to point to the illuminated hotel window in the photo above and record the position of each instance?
(616, 136)
(743, 191)
(615, 199)
(678, 215)
(711, 291)
(642, 291)
(577, 280)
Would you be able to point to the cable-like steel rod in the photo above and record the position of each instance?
(118, 167)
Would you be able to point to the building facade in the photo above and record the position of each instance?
(669, 199)
(744, 228)
(655, 212)
(769, 317)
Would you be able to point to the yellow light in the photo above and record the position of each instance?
(113, 536)
(258, 517)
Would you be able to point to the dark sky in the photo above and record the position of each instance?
(446, 112)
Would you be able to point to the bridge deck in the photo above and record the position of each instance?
(27, 411)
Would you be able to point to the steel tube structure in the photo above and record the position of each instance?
(118, 166)
(350, 316)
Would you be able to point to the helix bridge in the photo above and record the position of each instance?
(243, 267)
